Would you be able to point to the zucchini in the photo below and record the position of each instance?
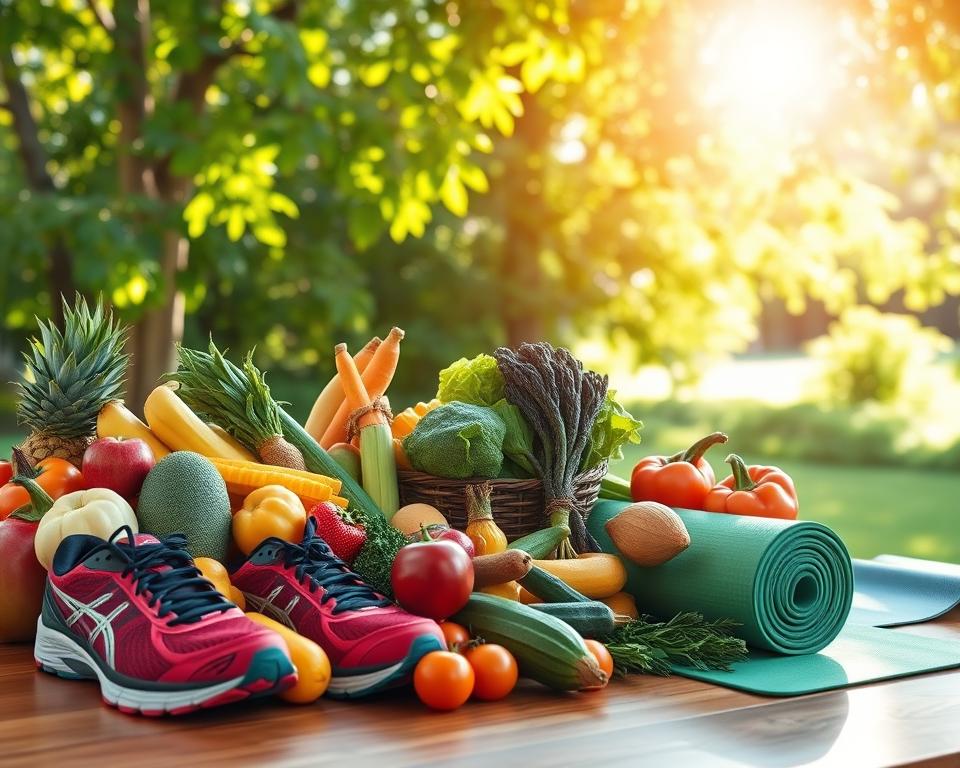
(549, 588)
(590, 619)
(547, 649)
(541, 544)
(615, 487)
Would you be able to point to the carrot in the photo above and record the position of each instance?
(376, 379)
(353, 386)
(378, 467)
(331, 398)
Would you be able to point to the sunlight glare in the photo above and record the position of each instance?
(766, 68)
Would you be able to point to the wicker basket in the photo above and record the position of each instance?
(518, 505)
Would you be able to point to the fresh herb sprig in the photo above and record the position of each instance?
(649, 646)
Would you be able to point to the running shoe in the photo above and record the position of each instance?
(372, 643)
(135, 614)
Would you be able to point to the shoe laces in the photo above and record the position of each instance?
(315, 562)
(166, 570)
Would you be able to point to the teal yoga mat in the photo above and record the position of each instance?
(859, 655)
(788, 583)
(890, 591)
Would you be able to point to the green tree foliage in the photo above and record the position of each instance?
(870, 355)
(305, 171)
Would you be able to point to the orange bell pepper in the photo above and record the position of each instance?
(57, 477)
(755, 491)
(682, 480)
(269, 511)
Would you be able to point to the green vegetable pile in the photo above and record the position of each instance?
(479, 381)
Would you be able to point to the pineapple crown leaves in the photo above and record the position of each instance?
(238, 399)
(71, 374)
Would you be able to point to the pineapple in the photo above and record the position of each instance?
(69, 377)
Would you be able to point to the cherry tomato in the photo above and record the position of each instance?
(443, 680)
(602, 655)
(454, 634)
(494, 669)
(6, 472)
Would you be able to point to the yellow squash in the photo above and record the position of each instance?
(115, 420)
(180, 428)
(313, 666)
(593, 574)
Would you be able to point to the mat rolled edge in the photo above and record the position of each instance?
(731, 567)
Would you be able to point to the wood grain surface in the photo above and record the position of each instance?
(637, 722)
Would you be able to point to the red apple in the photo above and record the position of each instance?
(118, 464)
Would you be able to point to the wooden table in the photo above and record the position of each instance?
(642, 721)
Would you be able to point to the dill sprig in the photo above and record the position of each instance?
(651, 646)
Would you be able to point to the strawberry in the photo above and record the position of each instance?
(344, 539)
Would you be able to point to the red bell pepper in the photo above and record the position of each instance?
(682, 480)
(756, 491)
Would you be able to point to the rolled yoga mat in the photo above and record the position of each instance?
(788, 583)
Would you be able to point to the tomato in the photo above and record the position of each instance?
(445, 533)
(6, 472)
(602, 655)
(443, 680)
(432, 578)
(455, 634)
(57, 477)
(494, 669)
(22, 580)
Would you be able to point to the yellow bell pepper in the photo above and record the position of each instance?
(269, 511)
(98, 512)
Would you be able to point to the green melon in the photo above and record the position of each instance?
(185, 494)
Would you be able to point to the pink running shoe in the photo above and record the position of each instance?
(158, 636)
(372, 644)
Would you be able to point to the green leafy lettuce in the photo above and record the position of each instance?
(614, 426)
(477, 382)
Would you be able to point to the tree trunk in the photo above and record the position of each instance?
(523, 214)
(153, 339)
(34, 158)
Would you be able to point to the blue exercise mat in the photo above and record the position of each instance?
(890, 591)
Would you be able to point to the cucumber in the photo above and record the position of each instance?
(550, 589)
(591, 619)
(541, 544)
(615, 487)
(547, 649)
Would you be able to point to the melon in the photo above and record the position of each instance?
(185, 494)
